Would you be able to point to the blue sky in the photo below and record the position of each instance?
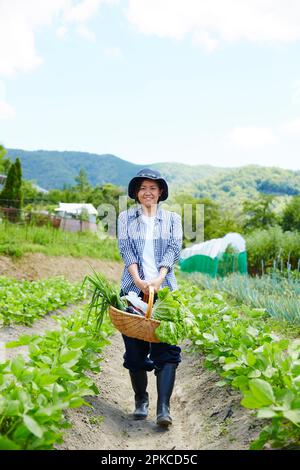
(189, 81)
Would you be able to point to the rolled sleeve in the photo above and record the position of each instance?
(172, 253)
(125, 246)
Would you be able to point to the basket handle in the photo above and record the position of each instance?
(150, 302)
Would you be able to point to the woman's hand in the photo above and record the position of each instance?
(156, 283)
(142, 285)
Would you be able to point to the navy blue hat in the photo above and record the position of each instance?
(149, 174)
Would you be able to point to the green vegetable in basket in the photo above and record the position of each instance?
(103, 295)
(176, 319)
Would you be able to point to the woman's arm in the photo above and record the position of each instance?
(128, 254)
(173, 250)
(124, 242)
(140, 283)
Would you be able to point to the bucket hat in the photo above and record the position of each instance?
(149, 174)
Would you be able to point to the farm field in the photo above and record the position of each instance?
(210, 418)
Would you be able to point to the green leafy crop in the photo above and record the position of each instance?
(175, 318)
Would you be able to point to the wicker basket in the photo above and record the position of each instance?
(136, 326)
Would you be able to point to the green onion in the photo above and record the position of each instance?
(104, 295)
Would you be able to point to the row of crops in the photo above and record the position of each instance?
(35, 392)
(278, 295)
(25, 301)
(235, 336)
(239, 344)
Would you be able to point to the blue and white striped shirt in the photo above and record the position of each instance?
(167, 239)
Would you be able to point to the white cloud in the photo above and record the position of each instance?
(62, 32)
(86, 33)
(252, 137)
(207, 42)
(20, 20)
(213, 21)
(112, 51)
(82, 12)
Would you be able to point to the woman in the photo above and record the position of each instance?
(150, 240)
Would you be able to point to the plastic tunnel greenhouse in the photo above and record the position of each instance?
(216, 257)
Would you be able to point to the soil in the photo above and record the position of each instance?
(34, 266)
(205, 416)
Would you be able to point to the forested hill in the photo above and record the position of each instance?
(52, 169)
(247, 182)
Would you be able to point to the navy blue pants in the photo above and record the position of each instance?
(140, 354)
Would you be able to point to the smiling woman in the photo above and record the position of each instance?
(150, 240)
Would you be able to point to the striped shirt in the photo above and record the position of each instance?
(167, 243)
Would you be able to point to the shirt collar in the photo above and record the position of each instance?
(137, 212)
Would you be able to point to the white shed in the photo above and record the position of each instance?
(77, 217)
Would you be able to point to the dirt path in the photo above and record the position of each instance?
(204, 416)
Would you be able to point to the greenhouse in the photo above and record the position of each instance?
(216, 257)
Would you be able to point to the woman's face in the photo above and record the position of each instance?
(149, 193)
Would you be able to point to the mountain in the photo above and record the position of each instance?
(228, 186)
(185, 177)
(247, 182)
(53, 169)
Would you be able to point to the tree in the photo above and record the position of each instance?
(18, 195)
(106, 194)
(259, 213)
(7, 194)
(212, 216)
(29, 192)
(11, 196)
(4, 162)
(83, 217)
(291, 215)
(228, 222)
(82, 181)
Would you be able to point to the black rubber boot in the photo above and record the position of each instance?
(139, 383)
(165, 379)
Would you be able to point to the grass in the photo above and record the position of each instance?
(15, 240)
(97, 420)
